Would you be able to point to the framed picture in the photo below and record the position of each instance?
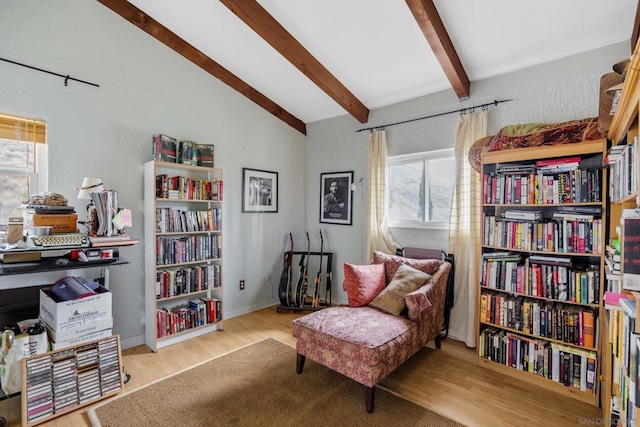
(336, 201)
(259, 190)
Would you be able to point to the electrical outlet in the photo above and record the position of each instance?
(242, 285)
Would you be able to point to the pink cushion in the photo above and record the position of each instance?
(362, 333)
(392, 262)
(363, 283)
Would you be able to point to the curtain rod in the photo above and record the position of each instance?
(495, 102)
(66, 78)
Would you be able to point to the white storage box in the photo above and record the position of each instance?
(82, 339)
(77, 313)
(72, 332)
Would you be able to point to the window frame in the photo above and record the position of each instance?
(424, 156)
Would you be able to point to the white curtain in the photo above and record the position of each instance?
(378, 236)
(464, 229)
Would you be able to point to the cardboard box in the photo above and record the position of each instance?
(61, 223)
(81, 339)
(77, 313)
(73, 331)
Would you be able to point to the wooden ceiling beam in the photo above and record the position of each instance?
(433, 29)
(258, 19)
(149, 25)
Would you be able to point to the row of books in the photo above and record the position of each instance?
(105, 204)
(576, 186)
(178, 250)
(625, 344)
(173, 282)
(545, 319)
(184, 188)
(171, 220)
(623, 166)
(199, 312)
(580, 284)
(570, 366)
(555, 235)
(169, 149)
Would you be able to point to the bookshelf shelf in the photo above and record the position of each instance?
(187, 294)
(537, 337)
(183, 273)
(548, 256)
(540, 381)
(573, 254)
(179, 200)
(187, 263)
(187, 233)
(539, 298)
(538, 205)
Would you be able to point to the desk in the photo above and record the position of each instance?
(61, 262)
(19, 302)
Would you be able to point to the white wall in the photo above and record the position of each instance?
(563, 90)
(146, 88)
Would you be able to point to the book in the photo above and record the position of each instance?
(612, 300)
(553, 260)
(187, 152)
(558, 161)
(164, 148)
(628, 306)
(630, 254)
(204, 155)
(522, 215)
(588, 328)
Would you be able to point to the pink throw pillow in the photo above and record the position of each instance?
(363, 283)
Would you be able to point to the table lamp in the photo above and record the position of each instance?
(89, 185)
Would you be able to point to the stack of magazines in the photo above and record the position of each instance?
(106, 205)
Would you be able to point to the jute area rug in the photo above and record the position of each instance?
(257, 385)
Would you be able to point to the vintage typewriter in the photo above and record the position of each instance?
(65, 240)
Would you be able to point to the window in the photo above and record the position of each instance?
(419, 189)
(22, 162)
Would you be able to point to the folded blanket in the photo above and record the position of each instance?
(535, 135)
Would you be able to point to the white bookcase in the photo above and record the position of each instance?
(183, 252)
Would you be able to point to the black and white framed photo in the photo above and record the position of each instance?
(336, 202)
(259, 190)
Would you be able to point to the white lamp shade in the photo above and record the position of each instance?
(89, 185)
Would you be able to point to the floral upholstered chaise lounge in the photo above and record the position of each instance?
(396, 307)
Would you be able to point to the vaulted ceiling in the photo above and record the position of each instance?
(308, 60)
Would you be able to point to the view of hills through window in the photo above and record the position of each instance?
(16, 166)
(406, 191)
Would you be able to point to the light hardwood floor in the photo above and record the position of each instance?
(447, 381)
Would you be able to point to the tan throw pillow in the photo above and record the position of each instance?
(407, 279)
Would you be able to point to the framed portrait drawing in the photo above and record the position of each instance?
(259, 190)
(336, 201)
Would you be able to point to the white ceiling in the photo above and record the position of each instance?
(377, 50)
